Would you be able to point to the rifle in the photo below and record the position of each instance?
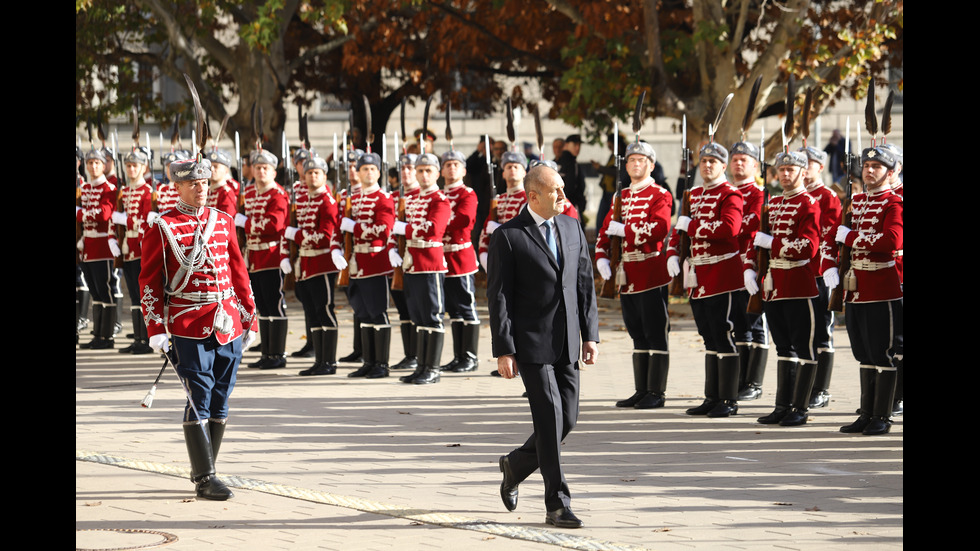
(610, 286)
(684, 245)
(762, 257)
(344, 278)
(398, 277)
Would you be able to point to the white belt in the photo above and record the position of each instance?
(262, 246)
(899, 252)
(636, 256)
(368, 249)
(206, 297)
(422, 244)
(132, 233)
(869, 266)
(93, 233)
(313, 252)
(453, 247)
(705, 260)
(784, 264)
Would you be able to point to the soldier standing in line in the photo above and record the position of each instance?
(426, 217)
(408, 190)
(266, 211)
(99, 248)
(460, 283)
(898, 187)
(223, 194)
(789, 288)
(714, 279)
(641, 274)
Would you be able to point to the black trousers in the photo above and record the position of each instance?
(317, 296)
(719, 318)
(793, 323)
(873, 328)
(646, 318)
(425, 299)
(270, 300)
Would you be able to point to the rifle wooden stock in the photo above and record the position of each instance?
(117, 262)
(836, 302)
(398, 278)
(683, 249)
(289, 282)
(609, 287)
(762, 262)
(343, 280)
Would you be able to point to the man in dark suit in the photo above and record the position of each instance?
(542, 313)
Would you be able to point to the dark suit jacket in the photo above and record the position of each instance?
(538, 311)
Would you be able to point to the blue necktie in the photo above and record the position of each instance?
(549, 237)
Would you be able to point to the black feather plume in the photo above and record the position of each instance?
(638, 114)
(886, 119)
(750, 107)
(511, 134)
(870, 117)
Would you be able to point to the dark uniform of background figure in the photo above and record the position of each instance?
(641, 276)
(264, 221)
(195, 286)
(98, 246)
(715, 278)
(137, 201)
(572, 175)
(478, 179)
(407, 190)
(830, 217)
(753, 342)
(873, 289)
(541, 297)
(371, 220)
(789, 288)
(460, 283)
(427, 214)
(317, 218)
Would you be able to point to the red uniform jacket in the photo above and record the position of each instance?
(752, 199)
(877, 224)
(166, 197)
(646, 214)
(426, 216)
(267, 215)
(137, 204)
(373, 213)
(98, 200)
(224, 197)
(830, 217)
(509, 205)
(458, 239)
(217, 298)
(794, 226)
(318, 219)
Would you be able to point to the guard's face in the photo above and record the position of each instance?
(263, 173)
(408, 175)
(95, 168)
(711, 168)
(789, 177)
(744, 166)
(453, 171)
(514, 173)
(219, 172)
(315, 179)
(549, 201)
(134, 171)
(874, 174)
(427, 176)
(193, 192)
(638, 167)
(813, 170)
(368, 174)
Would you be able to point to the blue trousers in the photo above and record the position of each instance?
(208, 371)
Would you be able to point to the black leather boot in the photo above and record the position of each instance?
(656, 382)
(727, 387)
(105, 337)
(433, 352)
(785, 377)
(899, 406)
(357, 354)
(409, 346)
(806, 372)
(868, 376)
(366, 353)
(97, 310)
(456, 328)
(820, 396)
(468, 359)
(216, 430)
(309, 347)
(751, 386)
(710, 386)
(885, 384)
(264, 327)
(278, 330)
(382, 348)
(317, 352)
(202, 463)
(421, 343)
(641, 364)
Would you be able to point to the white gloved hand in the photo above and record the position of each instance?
(114, 247)
(160, 343)
(605, 269)
(291, 233)
(240, 220)
(338, 259)
(248, 339)
(394, 258)
(831, 278)
(119, 218)
(673, 266)
(286, 266)
(77, 208)
(347, 225)
(763, 240)
(483, 260)
(491, 225)
(399, 228)
(81, 244)
(683, 222)
(751, 284)
(842, 232)
(151, 216)
(617, 229)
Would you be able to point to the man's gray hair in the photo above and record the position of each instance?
(534, 181)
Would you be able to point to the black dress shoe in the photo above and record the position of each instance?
(508, 488)
(305, 352)
(563, 518)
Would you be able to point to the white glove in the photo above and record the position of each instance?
(605, 269)
(291, 233)
(77, 208)
(831, 278)
(114, 247)
(682, 223)
(673, 266)
(240, 220)
(616, 228)
(119, 218)
(394, 258)
(751, 284)
(81, 244)
(763, 240)
(338, 259)
(491, 225)
(151, 216)
(160, 343)
(286, 266)
(842, 232)
(399, 228)
(347, 225)
(483, 260)
(248, 338)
